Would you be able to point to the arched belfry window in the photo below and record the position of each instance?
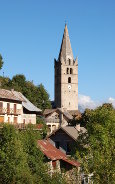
(71, 71)
(69, 62)
(69, 79)
(67, 70)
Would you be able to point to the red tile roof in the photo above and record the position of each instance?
(55, 154)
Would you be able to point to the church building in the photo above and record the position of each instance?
(66, 76)
(66, 87)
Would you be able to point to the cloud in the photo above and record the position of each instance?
(86, 102)
(111, 100)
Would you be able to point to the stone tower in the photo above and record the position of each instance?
(66, 76)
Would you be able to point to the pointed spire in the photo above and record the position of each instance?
(65, 50)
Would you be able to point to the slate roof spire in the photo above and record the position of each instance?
(65, 50)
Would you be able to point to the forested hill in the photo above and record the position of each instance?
(36, 94)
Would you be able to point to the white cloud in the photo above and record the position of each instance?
(86, 102)
(112, 100)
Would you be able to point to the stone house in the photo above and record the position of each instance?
(55, 118)
(64, 138)
(15, 108)
(57, 161)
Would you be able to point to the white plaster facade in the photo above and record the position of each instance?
(15, 115)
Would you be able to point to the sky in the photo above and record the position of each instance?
(30, 38)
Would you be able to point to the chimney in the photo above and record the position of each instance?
(78, 127)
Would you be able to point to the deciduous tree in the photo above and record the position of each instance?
(97, 153)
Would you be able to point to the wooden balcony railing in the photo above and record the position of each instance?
(10, 111)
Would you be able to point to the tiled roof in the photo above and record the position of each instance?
(53, 153)
(47, 112)
(70, 130)
(7, 94)
(75, 113)
(15, 95)
(26, 103)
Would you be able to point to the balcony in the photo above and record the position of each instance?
(10, 111)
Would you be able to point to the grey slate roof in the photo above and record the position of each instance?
(26, 103)
(72, 131)
(65, 49)
(47, 112)
(17, 96)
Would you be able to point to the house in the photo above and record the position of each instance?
(57, 161)
(65, 137)
(15, 108)
(55, 118)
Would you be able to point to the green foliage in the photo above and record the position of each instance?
(13, 160)
(43, 98)
(21, 162)
(73, 122)
(97, 147)
(36, 94)
(40, 120)
(1, 62)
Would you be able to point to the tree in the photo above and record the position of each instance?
(97, 147)
(43, 98)
(21, 161)
(36, 94)
(13, 160)
(1, 62)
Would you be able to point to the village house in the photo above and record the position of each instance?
(64, 138)
(57, 161)
(55, 118)
(15, 108)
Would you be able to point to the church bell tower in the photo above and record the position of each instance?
(66, 76)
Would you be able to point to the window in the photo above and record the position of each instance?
(57, 145)
(69, 80)
(8, 107)
(71, 71)
(1, 107)
(69, 62)
(15, 119)
(68, 148)
(67, 71)
(15, 108)
(54, 164)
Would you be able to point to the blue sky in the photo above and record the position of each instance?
(30, 38)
